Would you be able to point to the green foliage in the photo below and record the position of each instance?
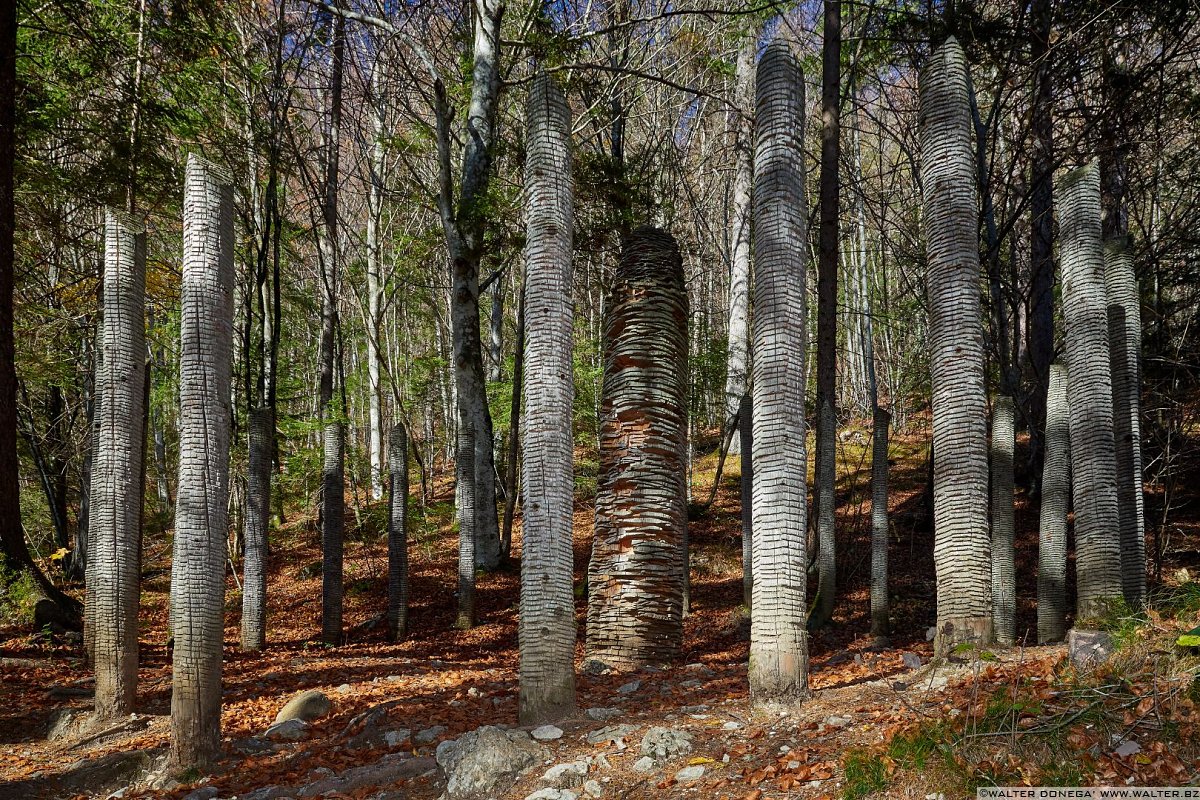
(20, 593)
(864, 773)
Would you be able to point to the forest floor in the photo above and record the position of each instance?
(873, 727)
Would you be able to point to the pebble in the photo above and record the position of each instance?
(429, 734)
(690, 774)
(546, 733)
(644, 764)
(630, 688)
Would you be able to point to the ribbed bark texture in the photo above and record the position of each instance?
(1125, 349)
(778, 630)
(258, 522)
(824, 474)
(201, 511)
(398, 534)
(546, 629)
(467, 521)
(1056, 502)
(745, 432)
(1004, 571)
(114, 568)
(881, 627)
(636, 574)
(1089, 393)
(961, 549)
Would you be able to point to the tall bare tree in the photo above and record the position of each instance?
(547, 621)
(1125, 350)
(201, 511)
(1055, 503)
(114, 569)
(1089, 393)
(962, 553)
(778, 635)
(827, 280)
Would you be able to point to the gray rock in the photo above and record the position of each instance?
(1089, 648)
(610, 733)
(546, 733)
(289, 730)
(487, 761)
(662, 744)
(731, 726)
(692, 683)
(203, 793)
(307, 706)
(644, 764)
(603, 714)
(690, 774)
(427, 735)
(594, 667)
(1127, 748)
(837, 722)
(931, 633)
(390, 769)
(593, 788)
(566, 776)
(630, 688)
(552, 794)
(911, 660)
(63, 723)
(344, 689)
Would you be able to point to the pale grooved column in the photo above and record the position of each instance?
(1056, 502)
(1004, 572)
(546, 627)
(778, 636)
(1089, 393)
(201, 524)
(258, 522)
(636, 574)
(1125, 347)
(113, 567)
(961, 549)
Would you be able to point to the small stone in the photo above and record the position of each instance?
(594, 667)
(565, 776)
(692, 683)
(630, 688)
(552, 794)
(474, 691)
(644, 764)
(397, 737)
(911, 661)
(600, 761)
(344, 689)
(546, 733)
(1088, 648)
(837, 722)
(665, 743)
(307, 706)
(690, 774)
(203, 793)
(931, 633)
(289, 730)
(1128, 748)
(593, 789)
(610, 733)
(731, 726)
(603, 714)
(427, 735)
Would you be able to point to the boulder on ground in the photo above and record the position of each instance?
(290, 730)
(307, 706)
(566, 776)
(486, 762)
